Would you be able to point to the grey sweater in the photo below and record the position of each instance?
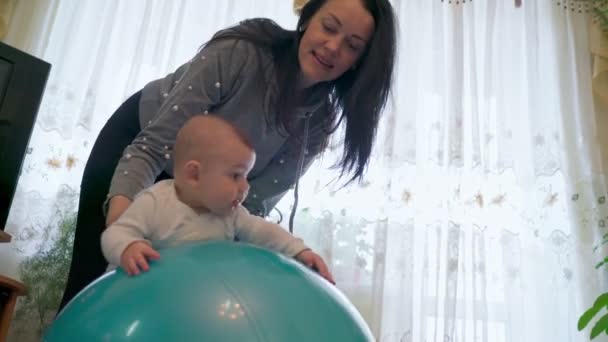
(224, 79)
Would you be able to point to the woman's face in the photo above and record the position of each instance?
(334, 39)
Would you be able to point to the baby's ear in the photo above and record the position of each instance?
(192, 170)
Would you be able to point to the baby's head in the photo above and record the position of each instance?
(211, 161)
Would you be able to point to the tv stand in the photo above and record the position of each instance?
(5, 237)
(10, 289)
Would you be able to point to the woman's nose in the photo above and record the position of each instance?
(333, 44)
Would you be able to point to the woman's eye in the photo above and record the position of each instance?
(329, 28)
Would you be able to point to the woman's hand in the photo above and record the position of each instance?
(118, 204)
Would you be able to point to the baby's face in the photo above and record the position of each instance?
(224, 184)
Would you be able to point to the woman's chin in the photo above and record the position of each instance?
(311, 76)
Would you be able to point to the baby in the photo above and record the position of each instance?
(203, 202)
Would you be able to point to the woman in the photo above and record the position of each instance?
(287, 90)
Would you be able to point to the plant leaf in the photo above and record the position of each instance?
(587, 316)
(600, 326)
(601, 263)
(601, 301)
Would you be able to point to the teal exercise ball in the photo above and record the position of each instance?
(212, 291)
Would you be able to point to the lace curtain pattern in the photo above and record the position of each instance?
(486, 192)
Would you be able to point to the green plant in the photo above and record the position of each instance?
(45, 273)
(600, 303)
(600, 14)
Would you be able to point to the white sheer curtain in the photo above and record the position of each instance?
(485, 194)
(477, 219)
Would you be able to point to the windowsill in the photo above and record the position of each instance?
(5, 237)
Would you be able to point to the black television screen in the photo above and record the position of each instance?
(6, 67)
(22, 81)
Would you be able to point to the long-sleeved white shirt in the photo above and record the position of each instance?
(160, 218)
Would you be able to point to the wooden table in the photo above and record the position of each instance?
(10, 289)
(4, 237)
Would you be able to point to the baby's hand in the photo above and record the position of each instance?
(313, 260)
(136, 256)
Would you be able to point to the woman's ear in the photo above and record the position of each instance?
(303, 27)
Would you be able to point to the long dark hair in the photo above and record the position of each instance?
(357, 97)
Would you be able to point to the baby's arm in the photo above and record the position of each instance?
(314, 261)
(135, 257)
(258, 231)
(125, 242)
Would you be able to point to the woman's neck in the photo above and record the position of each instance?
(303, 84)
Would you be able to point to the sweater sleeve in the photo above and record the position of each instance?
(136, 224)
(258, 231)
(208, 81)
